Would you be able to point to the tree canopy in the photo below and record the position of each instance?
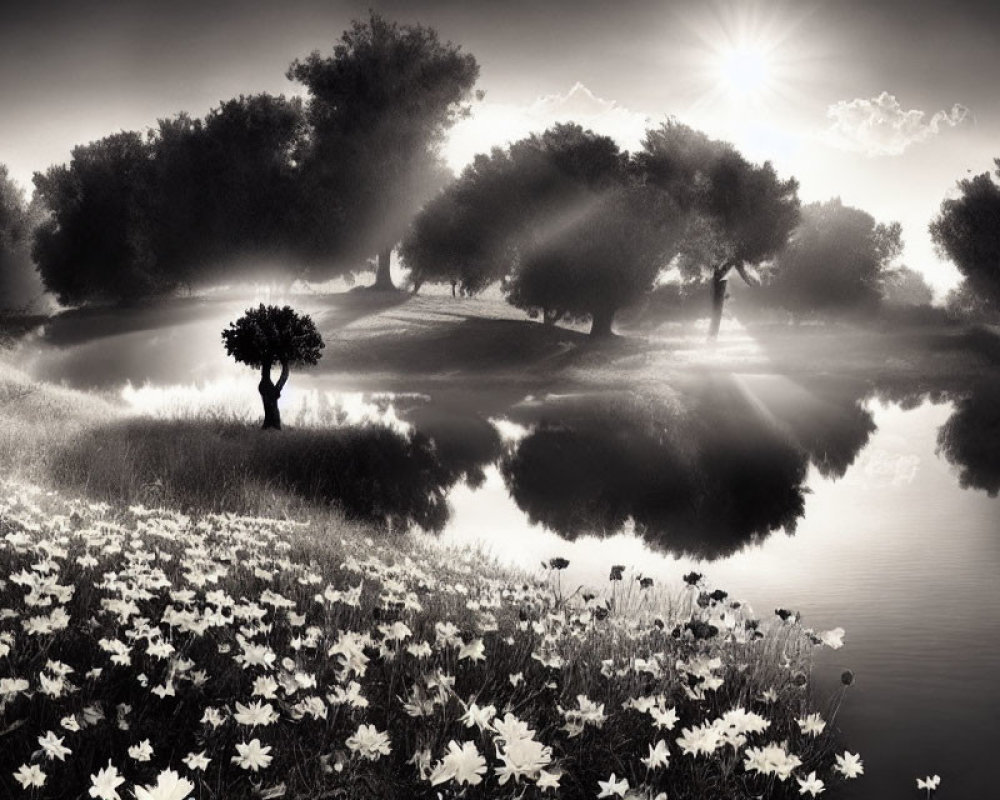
(224, 189)
(738, 214)
(558, 217)
(269, 335)
(967, 231)
(95, 243)
(837, 260)
(194, 201)
(378, 109)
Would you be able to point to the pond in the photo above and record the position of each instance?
(858, 503)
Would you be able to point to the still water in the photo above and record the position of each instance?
(860, 505)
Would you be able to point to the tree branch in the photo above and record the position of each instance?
(284, 377)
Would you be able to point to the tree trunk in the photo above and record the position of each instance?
(719, 282)
(383, 277)
(272, 416)
(453, 284)
(600, 328)
(269, 394)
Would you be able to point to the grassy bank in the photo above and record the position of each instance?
(254, 657)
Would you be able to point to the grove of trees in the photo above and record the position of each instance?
(570, 226)
(262, 181)
(576, 228)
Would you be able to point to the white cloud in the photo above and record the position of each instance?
(499, 124)
(880, 127)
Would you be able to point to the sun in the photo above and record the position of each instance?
(745, 72)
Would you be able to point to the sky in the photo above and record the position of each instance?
(884, 103)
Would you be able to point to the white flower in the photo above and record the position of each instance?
(480, 717)
(930, 783)
(369, 743)
(612, 787)
(29, 776)
(849, 765)
(812, 724)
(474, 650)
(659, 756)
(810, 785)
(257, 713)
(105, 783)
(548, 780)
(833, 639)
(142, 751)
(522, 758)
(169, 786)
(251, 755)
(463, 764)
(53, 746)
(195, 761)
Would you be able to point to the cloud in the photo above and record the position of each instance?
(880, 127)
(498, 124)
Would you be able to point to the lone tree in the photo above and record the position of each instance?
(605, 257)
(967, 231)
(268, 335)
(378, 110)
(739, 214)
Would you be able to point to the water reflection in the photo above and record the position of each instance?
(705, 478)
(970, 439)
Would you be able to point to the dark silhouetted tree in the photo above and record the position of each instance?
(225, 190)
(20, 285)
(270, 336)
(970, 439)
(466, 235)
(94, 244)
(379, 108)
(738, 214)
(838, 260)
(558, 218)
(967, 231)
(601, 260)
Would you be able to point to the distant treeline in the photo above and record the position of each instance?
(569, 225)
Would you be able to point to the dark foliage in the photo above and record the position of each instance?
(95, 244)
(967, 231)
(706, 483)
(970, 439)
(378, 110)
(269, 335)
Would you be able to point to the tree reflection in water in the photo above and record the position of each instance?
(970, 439)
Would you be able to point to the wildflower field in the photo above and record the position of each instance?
(151, 654)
